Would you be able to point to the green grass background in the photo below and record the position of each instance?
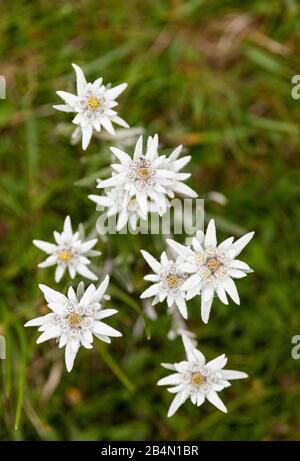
(215, 76)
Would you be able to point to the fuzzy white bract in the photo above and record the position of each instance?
(146, 180)
(167, 279)
(93, 103)
(69, 253)
(212, 267)
(197, 380)
(75, 319)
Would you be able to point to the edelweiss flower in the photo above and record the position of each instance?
(69, 253)
(197, 380)
(75, 319)
(118, 202)
(148, 177)
(168, 279)
(212, 267)
(93, 103)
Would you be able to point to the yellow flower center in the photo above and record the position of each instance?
(65, 255)
(93, 103)
(143, 173)
(213, 264)
(173, 281)
(198, 379)
(200, 258)
(74, 320)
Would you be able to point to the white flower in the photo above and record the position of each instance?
(175, 164)
(197, 380)
(75, 319)
(69, 252)
(119, 202)
(167, 281)
(213, 267)
(94, 105)
(148, 177)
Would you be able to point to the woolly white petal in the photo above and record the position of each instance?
(231, 289)
(45, 246)
(206, 302)
(52, 295)
(113, 93)
(240, 244)
(181, 304)
(175, 378)
(138, 148)
(69, 98)
(86, 272)
(153, 263)
(80, 79)
(106, 123)
(217, 363)
(233, 374)
(180, 249)
(101, 289)
(153, 290)
(103, 329)
(70, 355)
(210, 238)
(50, 333)
(122, 156)
(178, 400)
(87, 132)
(86, 246)
(59, 273)
(185, 190)
(50, 261)
(191, 282)
(213, 398)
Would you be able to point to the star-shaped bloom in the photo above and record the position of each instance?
(197, 380)
(167, 279)
(149, 177)
(75, 319)
(69, 252)
(93, 103)
(212, 267)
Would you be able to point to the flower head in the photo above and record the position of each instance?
(197, 380)
(212, 267)
(69, 252)
(149, 178)
(93, 103)
(167, 279)
(75, 319)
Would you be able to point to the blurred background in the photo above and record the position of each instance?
(216, 77)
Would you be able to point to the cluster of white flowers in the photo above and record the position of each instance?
(203, 269)
(141, 183)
